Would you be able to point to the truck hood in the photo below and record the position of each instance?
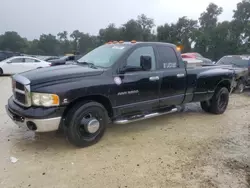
(57, 73)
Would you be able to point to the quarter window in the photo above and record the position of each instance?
(134, 59)
(29, 60)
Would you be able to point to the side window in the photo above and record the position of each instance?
(134, 58)
(71, 58)
(17, 60)
(199, 55)
(167, 57)
(29, 60)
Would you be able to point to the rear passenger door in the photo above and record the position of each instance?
(30, 64)
(173, 74)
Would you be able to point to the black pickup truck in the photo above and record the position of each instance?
(117, 82)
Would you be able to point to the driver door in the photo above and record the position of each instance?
(139, 90)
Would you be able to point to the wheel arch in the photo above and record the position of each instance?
(224, 83)
(96, 98)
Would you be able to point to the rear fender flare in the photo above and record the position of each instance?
(224, 83)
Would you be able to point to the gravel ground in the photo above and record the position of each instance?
(189, 149)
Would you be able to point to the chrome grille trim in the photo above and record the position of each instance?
(19, 91)
(21, 79)
(26, 92)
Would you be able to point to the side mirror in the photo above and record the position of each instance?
(146, 63)
(8, 62)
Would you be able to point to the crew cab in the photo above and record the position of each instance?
(118, 82)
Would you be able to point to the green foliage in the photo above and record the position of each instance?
(132, 31)
(10, 40)
(206, 35)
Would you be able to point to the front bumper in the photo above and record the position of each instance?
(36, 119)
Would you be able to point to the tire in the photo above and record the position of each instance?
(1, 71)
(77, 120)
(205, 105)
(240, 86)
(219, 101)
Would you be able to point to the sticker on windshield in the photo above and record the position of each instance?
(118, 47)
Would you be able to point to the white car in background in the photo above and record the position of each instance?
(18, 64)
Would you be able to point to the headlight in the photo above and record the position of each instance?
(44, 99)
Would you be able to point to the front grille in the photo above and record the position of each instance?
(20, 97)
(21, 90)
(19, 86)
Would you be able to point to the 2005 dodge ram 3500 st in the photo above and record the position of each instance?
(116, 82)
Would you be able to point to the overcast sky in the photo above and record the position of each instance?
(30, 18)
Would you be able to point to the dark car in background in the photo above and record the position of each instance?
(195, 55)
(47, 58)
(241, 65)
(69, 59)
(7, 54)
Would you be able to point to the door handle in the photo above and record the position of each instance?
(180, 75)
(154, 78)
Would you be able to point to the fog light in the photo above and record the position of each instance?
(31, 125)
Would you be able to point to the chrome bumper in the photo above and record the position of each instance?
(37, 125)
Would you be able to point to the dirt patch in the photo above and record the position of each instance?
(237, 166)
(248, 179)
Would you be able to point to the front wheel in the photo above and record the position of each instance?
(86, 123)
(219, 102)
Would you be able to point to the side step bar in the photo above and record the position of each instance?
(125, 121)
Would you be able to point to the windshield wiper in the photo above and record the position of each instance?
(91, 65)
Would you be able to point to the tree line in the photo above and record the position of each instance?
(207, 35)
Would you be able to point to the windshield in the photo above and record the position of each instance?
(239, 61)
(105, 55)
